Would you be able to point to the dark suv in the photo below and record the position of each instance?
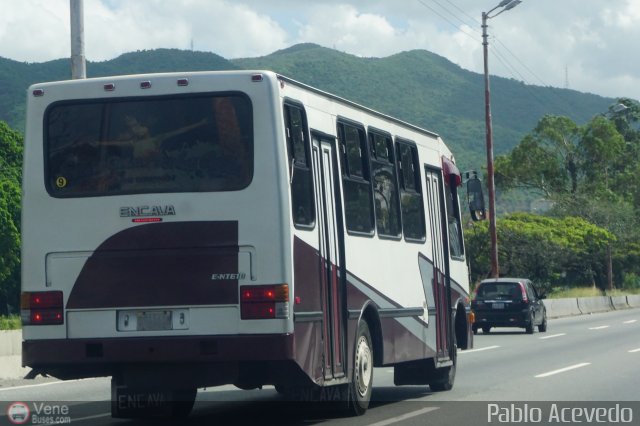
(508, 302)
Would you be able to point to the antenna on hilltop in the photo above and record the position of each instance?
(566, 76)
(192, 44)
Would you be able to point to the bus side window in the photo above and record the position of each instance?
(385, 185)
(302, 202)
(410, 192)
(456, 244)
(356, 179)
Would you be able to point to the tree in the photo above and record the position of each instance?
(10, 178)
(588, 171)
(546, 160)
(601, 153)
(550, 251)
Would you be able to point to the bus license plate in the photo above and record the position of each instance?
(498, 306)
(154, 320)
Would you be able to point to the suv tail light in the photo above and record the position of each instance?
(525, 299)
(42, 308)
(264, 301)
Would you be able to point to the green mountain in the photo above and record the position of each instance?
(416, 86)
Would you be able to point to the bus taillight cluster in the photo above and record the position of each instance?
(42, 308)
(264, 301)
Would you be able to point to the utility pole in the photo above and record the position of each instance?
(493, 232)
(78, 63)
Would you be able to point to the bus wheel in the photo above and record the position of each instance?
(182, 403)
(446, 376)
(362, 378)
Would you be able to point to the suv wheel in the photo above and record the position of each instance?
(543, 326)
(530, 327)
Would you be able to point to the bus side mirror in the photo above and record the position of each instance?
(475, 196)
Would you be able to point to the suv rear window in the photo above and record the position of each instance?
(500, 291)
(149, 145)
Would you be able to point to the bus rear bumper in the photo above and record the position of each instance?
(79, 358)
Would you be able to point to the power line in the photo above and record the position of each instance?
(456, 17)
(527, 86)
(512, 70)
(502, 58)
(520, 62)
(478, 23)
(447, 20)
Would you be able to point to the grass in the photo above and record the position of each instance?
(560, 293)
(11, 322)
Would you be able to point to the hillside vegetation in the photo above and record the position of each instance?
(581, 158)
(416, 86)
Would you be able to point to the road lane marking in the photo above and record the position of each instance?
(634, 351)
(630, 322)
(562, 370)
(602, 327)
(466, 351)
(553, 335)
(44, 384)
(404, 416)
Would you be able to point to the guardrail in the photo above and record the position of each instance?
(557, 308)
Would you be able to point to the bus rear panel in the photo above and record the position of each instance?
(141, 238)
(200, 229)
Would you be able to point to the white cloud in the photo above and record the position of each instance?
(35, 30)
(595, 40)
(363, 34)
(38, 30)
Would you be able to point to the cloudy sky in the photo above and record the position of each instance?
(586, 45)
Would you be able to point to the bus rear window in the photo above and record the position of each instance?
(162, 144)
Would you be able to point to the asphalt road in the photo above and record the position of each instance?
(586, 366)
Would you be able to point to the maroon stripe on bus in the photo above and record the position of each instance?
(161, 264)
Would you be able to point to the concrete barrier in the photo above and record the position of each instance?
(561, 307)
(633, 300)
(591, 305)
(10, 342)
(10, 355)
(619, 302)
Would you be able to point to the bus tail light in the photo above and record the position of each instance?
(42, 308)
(264, 301)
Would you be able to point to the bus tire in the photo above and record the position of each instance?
(183, 402)
(362, 377)
(446, 376)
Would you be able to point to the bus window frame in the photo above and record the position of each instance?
(291, 163)
(104, 101)
(417, 175)
(390, 162)
(346, 174)
(452, 202)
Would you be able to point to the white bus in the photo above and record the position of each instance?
(199, 229)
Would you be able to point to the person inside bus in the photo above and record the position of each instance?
(232, 144)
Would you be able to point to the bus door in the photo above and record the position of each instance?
(436, 218)
(331, 253)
